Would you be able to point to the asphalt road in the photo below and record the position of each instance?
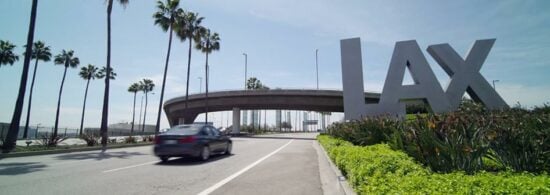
(274, 164)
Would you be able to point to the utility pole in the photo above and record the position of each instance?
(494, 81)
(245, 68)
(317, 67)
(244, 112)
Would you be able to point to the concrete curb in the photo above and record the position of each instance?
(83, 149)
(332, 178)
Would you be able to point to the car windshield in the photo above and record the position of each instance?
(184, 130)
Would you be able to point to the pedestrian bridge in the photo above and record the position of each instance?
(272, 99)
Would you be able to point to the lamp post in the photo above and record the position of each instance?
(200, 84)
(37, 128)
(245, 68)
(494, 81)
(245, 115)
(317, 67)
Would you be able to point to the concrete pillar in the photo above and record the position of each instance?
(236, 121)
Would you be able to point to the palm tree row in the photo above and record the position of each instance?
(187, 26)
(41, 52)
(146, 86)
(10, 58)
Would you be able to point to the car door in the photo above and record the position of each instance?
(220, 142)
(207, 137)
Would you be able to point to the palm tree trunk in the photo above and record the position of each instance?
(206, 75)
(157, 126)
(84, 107)
(144, 114)
(59, 104)
(25, 133)
(105, 111)
(140, 111)
(188, 73)
(11, 138)
(133, 114)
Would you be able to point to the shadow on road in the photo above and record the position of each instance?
(20, 168)
(98, 155)
(274, 137)
(188, 161)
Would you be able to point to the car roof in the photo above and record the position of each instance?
(193, 125)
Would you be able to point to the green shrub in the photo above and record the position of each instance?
(50, 140)
(378, 169)
(544, 109)
(130, 140)
(448, 142)
(522, 140)
(148, 138)
(91, 139)
(367, 131)
(516, 138)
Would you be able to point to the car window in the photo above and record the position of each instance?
(206, 131)
(183, 130)
(215, 131)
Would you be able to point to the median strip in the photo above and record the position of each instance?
(231, 177)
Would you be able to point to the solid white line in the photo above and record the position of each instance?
(231, 177)
(122, 168)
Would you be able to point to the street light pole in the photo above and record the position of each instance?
(317, 67)
(494, 81)
(200, 84)
(245, 68)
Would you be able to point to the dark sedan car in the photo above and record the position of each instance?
(196, 140)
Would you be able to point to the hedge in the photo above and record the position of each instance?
(378, 169)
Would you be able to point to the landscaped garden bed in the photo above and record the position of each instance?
(471, 151)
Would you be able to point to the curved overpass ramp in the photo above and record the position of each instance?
(273, 99)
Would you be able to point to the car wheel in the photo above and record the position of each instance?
(164, 158)
(205, 153)
(228, 148)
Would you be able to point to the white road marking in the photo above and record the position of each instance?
(71, 162)
(231, 177)
(122, 168)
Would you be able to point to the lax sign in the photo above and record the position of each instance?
(464, 74)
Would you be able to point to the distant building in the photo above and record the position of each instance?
(124, 129)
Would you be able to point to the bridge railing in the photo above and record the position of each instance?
(272, 89)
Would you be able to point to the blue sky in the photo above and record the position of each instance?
(280, 38)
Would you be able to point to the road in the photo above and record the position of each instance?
(275, 164)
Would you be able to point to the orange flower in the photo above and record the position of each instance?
(431, 125)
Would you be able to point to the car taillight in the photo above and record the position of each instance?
(157, 140)
(187, 139)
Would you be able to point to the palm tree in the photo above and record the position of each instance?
(11, 138)
(39, 52)
(146, 85)
(208, 43)
(134, 88)
(6, 53)
(87, 73)
(67, 59)
(165, 18)
(189, 27)
(105, 111)
(103, 71)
